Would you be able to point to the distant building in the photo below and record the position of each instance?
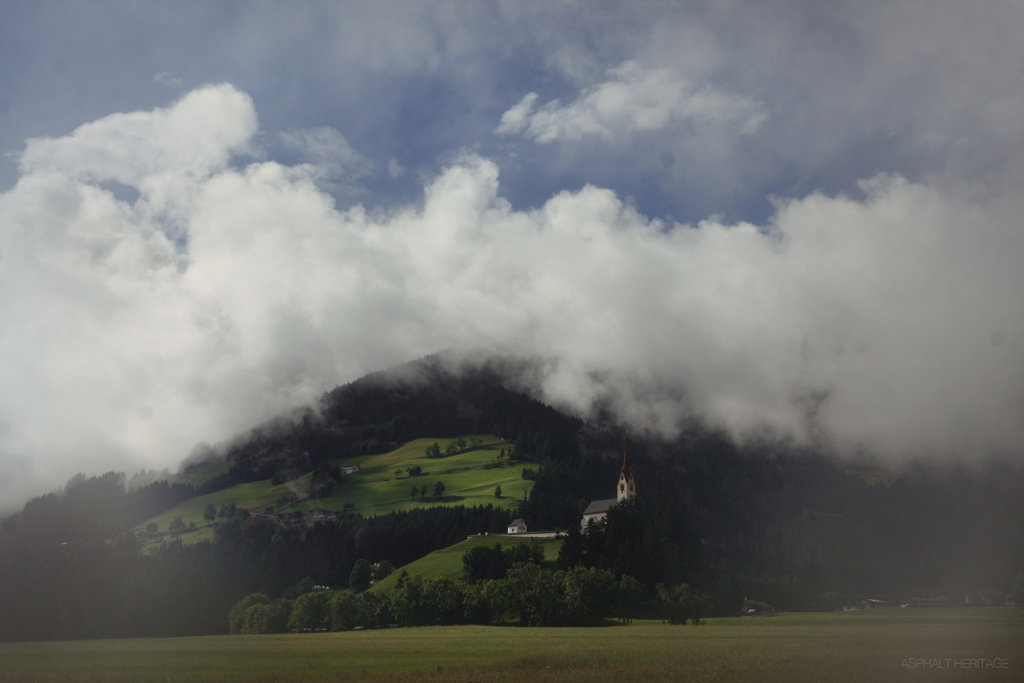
(290, 518)
(322, 515)
(597, 511)
(753, 607)
(626, 490)
(517, 526)
(349, 469)
(627, 485)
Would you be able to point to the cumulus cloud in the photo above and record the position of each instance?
(632, 99)
(395, 169)
(166, 79)
(194, 137)
(328, 151)
(885, 320)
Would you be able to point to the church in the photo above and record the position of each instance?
(598, 509)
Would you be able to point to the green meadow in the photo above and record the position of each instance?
(382, 485)
(447, 562)
(972, 644)
(254, 496)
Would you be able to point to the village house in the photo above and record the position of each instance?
(291, 518)
(517, 526)
(755, 607)
(322, 515)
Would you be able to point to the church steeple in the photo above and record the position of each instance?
(627, 485)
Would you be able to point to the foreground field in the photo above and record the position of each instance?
(897, 645)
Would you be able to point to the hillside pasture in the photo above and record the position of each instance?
(447, 562)
(200, 474)
(384, 485)
(255, 496)
(469, 478)
(885, 645)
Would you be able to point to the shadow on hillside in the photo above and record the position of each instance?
(443, 499)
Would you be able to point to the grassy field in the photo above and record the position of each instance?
(448, 561)
(382, 485)
(889, 645)
(202, 473)
(255, 496)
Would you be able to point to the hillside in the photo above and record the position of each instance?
(789, 526)
(383, 484)
(447, 562)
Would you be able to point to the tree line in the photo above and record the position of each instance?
(91, 587)
(528, 595)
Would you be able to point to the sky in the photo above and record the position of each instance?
(793, 219)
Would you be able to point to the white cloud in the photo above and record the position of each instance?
(164, 78)
(517, 117)
(395, 169)
(194, 137)
(329, 152)
(632, 99)
(889, 320)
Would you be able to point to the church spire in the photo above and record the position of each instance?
(627, 485)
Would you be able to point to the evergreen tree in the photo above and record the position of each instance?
(359, 579)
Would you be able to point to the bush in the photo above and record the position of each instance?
(430, 601)
(236, 615)
(359, 579)
(311, 612)
(344, 611)
(268, 618)
(681, 603)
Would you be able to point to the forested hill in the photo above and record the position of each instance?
(766, 521)
(425, 398)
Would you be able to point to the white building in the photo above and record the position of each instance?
(598, 509)
(517, 526)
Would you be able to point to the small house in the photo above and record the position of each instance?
(291, 518)
(755, 607)
(322, 515)
(517, 526)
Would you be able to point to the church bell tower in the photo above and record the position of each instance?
(627, 485)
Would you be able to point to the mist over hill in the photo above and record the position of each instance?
(765, 519)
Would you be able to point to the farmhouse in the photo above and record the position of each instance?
(754, 607)
(517, 526)
(598, 509)
(291, 518)
(322, 515)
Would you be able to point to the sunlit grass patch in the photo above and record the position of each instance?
(447, 562)
(382, 485)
